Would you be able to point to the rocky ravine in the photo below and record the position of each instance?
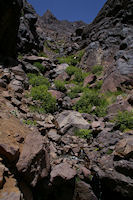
(52, 147)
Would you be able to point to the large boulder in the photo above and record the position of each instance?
(10, 12)
(68, 121)
(33, 163)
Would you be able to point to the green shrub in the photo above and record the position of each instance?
(89, 99)
(71, 70)
(36, 80)
(74, 93)
(60, 85)
(48, 102)
(39, 66)
(30, 122)
(124, 120)
(83, 133)
(72, 59)
(42, 54)
(99, 84)
(97, 69)
(78, 76)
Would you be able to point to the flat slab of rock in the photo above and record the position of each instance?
(35, 59)
(63, 171)
(70, 120)
(34, 160)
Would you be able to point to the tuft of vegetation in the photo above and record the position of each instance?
(90, 99)
(47, 101)
(42, 54)
(83, 133)
(39, 66)
(74, 93)
(30, 122)
(124, 120)
(72, 59)
(60, 85)
(36, 80)
(71, 70)
(97, 69)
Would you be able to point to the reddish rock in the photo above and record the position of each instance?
(84, 191)
(89, 79)
(33, 163)
(9, 150)
(57, 94)
(63, 171)
(120, 106)
(62, 77)
(2, 170)
(124, 148)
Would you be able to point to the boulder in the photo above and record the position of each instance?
(89, 80)
(33, 163)
(70, 120)
(57, 94)
(52, 134)
(124, 148)
(84, 191)
(63, 171)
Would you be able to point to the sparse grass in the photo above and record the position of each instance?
(39, 66)
(83, 133)
(124, 120)
(36, 80)
(112, 96)
(60, 85)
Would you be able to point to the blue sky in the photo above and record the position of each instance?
(72, 10)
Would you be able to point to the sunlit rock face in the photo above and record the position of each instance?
(109, 40)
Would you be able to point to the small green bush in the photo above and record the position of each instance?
(124, 120)
(30, 122)
(48, 102)
(97, 69)
(39, 66)
(72, 59)
(36, 80)
(89, 99)
(83, 133)
(60, 85)
(78, 76)
(42, 54)
(71, 70)
(74, 93)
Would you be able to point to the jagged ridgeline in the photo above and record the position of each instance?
(66, 104)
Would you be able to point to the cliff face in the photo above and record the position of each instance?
(9, 23)
(30, 35)
(109, 40)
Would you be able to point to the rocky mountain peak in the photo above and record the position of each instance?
(49, 18)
